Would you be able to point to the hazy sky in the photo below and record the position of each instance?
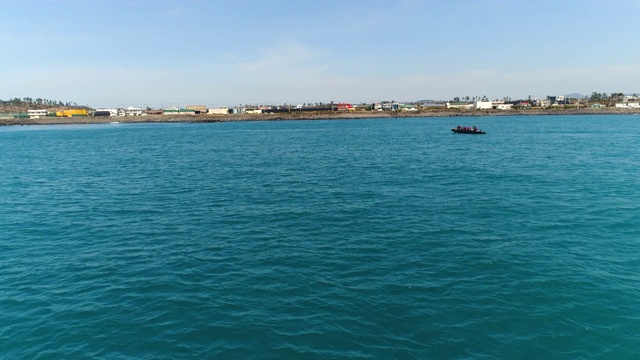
(174, 53)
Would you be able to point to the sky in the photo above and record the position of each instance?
(160, 53)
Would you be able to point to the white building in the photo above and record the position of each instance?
(459, 105)
(503, 107)
(133, 111)
(630, 105)
(543, 103)
(35, 114)
(478, 105)
(218, 111)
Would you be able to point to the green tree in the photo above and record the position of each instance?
(617, 96)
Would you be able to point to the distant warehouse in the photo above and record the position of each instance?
(102, 113)
(71, 113)
(176, 111)
(198, 109)
(218, 111)
(111, 112)
(345, 107)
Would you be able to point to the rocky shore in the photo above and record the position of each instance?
(312, 116)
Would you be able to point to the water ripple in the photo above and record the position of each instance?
(367, 239)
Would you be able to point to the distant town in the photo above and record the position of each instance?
(19, 108)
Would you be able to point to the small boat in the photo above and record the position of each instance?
(467, 130)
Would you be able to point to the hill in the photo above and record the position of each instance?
(17, 105)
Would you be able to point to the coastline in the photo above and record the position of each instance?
(311, 116)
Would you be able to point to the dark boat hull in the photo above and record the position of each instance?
(468, 131)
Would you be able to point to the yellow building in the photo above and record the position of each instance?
(70, 113)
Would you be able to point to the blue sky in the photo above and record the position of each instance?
(223, 53)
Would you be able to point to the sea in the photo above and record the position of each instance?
(326, 239)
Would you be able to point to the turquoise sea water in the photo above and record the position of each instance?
(382, 239)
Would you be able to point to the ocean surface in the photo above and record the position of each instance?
(340, 239)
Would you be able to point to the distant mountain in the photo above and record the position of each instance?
(575, 96)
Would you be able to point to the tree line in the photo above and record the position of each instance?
(27, 101)
(596, 96)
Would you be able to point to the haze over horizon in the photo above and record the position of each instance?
(223, 53)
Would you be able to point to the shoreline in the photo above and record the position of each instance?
(311, 116)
